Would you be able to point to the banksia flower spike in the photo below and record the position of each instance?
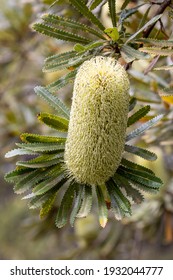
(98, 121)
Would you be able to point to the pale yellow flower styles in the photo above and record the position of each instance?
(98, 121)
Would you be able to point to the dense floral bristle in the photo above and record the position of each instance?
(98, 121)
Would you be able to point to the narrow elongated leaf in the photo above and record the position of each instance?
(103, 211)
(96, 3)
(86, 203)
(79, 193)
(166, 67)
(38, 201)
(129, 54)
(112, 11)
(125, 13)
(144, 18)
(61, 63)
(121, 199)
(83, 9)
(83, 50)
(18, 152)
(132, 103)
(66, 203)
(140, 152)
(56, 181)
(131, 192)
(141, 177)
(124, 5)
(53, 101)
(143, 127)
(143, 188)
(42, 147)
(16, 175)
(157, 51)
(35, 138)
(68, 23)
(42, 161)
(48, 204)
(136, 166)
(27, 182)
(53, 87)
(54, 121)
(150, 22)
(59, 34)
(154, 42)
(138, 115)
(117, 196)
(56, 58)
(66, 64)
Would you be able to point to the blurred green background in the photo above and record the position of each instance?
(148, 234)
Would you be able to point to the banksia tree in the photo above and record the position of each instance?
(87, 154)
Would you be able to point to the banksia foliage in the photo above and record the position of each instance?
(90, 158)
(98, 121)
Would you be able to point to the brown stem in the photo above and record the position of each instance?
(159, 11)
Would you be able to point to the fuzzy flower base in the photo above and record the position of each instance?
(98, 121)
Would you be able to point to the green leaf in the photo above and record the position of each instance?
(55, 181)
(27, 182)
(131, 192)
(165, 67)
(112, 33)
(59, 65)
(95, 3)
(118, 197)
(141, 177)
(48, 204)
(154, 42)
(66, 204)
(42, 161)
(38, 201)
(53, 101)
(83, 9)
(112, 11)
(103, 211)
(73, 62)
(53, 87)
(16, 175)
(59, 34)
(129, 54)
(35, 138)
(138, 115)
(124, 5)
(42, 147)
(18, 152)
(157, 51)
(56, 58)
(140, 152)
(136, 166)
(143, 127)
(79, 192)
(79, 48)
(127, 13)
(132, 103)
(144, 18)
(150, 22)
(86, 202)
(54, 121)
(68, 23)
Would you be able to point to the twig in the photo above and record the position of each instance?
(159, 11)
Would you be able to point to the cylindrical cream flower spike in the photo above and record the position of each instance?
(98, 121)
